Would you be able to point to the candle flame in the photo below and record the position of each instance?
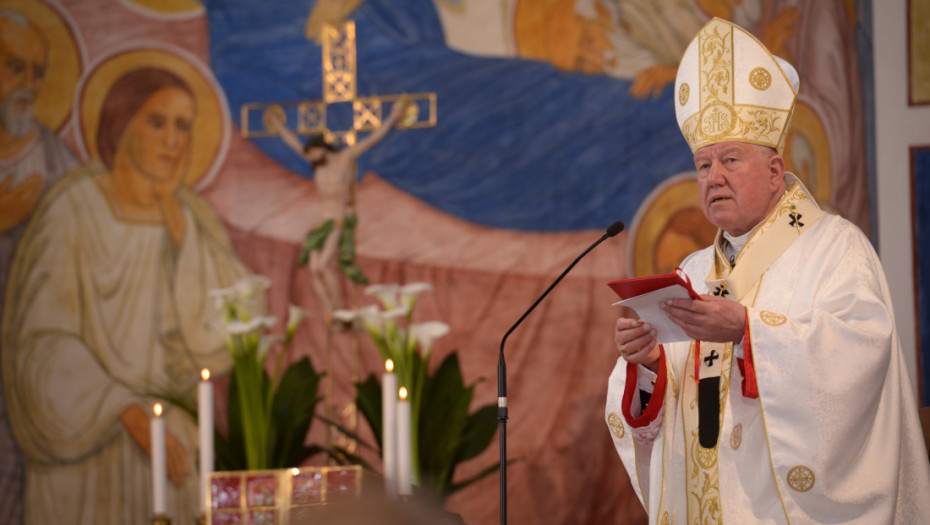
(402, 393)
(157, 409)
(295, 471)
(389, 365)
(205, 374)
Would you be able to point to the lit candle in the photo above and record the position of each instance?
(389, 428)
(404, 471)
(205, 425)
(159, 478)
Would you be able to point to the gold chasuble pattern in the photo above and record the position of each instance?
(795, 212)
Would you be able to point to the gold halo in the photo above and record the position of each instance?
(807, 130)
(53, 106)
(211, 124)
(550, 30)
(652, 220)
(166, 8)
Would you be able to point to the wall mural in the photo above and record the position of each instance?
(154, 150)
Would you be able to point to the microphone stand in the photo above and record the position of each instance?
(612, 230)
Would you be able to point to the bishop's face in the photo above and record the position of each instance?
(158, 137)
(738, 183)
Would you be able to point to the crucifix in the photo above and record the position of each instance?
(339, 77)
(333, 151)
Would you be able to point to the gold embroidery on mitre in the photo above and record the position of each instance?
(760, 78)
(800, 478)
(683, 92)
(725, 111)
(665, 519)
(736, 436)
(772, 319)
(616, 425)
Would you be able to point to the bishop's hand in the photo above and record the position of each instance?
(714, 319)
(636, 342)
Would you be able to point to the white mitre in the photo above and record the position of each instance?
(731, 88)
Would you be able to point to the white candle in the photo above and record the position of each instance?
(159, 478)
(404, 470)
(205, 425)
(389, 428)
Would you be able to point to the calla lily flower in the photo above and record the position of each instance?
(265, 344)
(427, 333)
(386, 293)
(295, 315)
(409, 293)
(247, 327)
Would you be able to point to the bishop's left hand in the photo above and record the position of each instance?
(713, 319)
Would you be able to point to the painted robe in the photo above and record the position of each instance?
(102, 311)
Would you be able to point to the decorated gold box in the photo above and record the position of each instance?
(278, 497)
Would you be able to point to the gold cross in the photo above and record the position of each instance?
(339, 77)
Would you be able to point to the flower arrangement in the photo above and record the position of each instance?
(443, 432)
(268, 415)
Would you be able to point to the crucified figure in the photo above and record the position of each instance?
(334, 176)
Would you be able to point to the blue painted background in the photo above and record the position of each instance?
(518, 145)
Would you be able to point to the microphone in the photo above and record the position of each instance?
(611, 231)
(614, 229)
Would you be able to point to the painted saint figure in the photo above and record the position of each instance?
(108, 307)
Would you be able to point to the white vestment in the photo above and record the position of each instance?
(101, 312)
(833, 436)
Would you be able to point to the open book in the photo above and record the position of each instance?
(645, 294)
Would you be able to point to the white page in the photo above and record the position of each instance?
(647, 307)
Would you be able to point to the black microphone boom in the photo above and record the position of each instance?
(611, 231)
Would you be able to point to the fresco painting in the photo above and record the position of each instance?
(132, 185)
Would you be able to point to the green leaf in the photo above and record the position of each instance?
(479, 432)
(292, 412)
(443, 420)
(368, 403)
(348, 433)
(230, 452)
(477, 477)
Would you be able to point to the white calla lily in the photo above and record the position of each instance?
(409, 293)
(345, 316)
(265, 344)
(295, 315)
(372, 321)
(427, 333)
(247, 327)
(386, 293)
(395, 313)
(250, 286)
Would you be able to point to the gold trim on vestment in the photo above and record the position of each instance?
(775, 234)
(615, 422)
(736, 436)
(772, 319)
(800, 478)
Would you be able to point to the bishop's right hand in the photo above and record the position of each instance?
(636, 342)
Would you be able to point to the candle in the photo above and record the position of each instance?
(389, 428)
(159, 479)
(205, 426)
(404, 472)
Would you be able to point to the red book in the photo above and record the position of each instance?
(636, 286)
